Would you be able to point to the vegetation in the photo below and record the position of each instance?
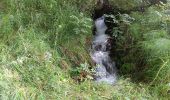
(44, 52)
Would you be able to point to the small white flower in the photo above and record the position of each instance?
(47, 56)
(21, 60)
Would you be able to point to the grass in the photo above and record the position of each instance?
(44, 49)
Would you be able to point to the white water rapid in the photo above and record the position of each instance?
(105, 67)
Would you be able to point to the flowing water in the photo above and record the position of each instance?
(105, 67)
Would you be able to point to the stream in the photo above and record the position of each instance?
(105, 70)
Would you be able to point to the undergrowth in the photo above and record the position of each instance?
(44, 53)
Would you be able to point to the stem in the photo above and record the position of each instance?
(165, 63)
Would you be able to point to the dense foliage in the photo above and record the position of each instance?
(44, 51)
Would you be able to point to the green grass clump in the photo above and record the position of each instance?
(148, 50)
(44, 53)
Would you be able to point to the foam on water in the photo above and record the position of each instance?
(105, 67)
(100, 25)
